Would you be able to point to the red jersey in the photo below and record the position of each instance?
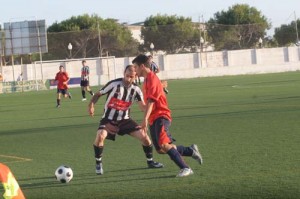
(62, 77)
(153, 89)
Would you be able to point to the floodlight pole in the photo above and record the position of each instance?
(260, 41)
(99, 38)
(297, 36)
(201, 43)
(40, 50)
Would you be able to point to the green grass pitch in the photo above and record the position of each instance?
(247, 129)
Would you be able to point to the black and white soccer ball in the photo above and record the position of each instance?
(64, 174)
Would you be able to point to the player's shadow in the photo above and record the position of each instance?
(47, 181)
(121, 175)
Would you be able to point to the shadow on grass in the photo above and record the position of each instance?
(92, 178)
(53, 118)
(43, 129)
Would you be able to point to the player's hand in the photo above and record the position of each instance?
(144, 125)
(91, 111)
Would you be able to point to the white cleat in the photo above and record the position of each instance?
(83, 99)
(99, 169)
(185, 172)
(196, 154)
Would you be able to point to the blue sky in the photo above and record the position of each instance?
(132, 11)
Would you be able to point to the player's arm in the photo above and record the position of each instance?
(91, 106)
(142, 105)
(56, 78)
(68, 79)
(149, 107)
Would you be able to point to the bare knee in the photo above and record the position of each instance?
(100, 137)
(160, 151)
(142, 136)
(146, 140)
(164, 148)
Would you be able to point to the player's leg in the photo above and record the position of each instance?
(88, 89)
(147, 147)
(83, 91)
(106, 130)
(133, 129)
(66, 93)
(98, 149)
(191, 151)
(160, 133)
(58, 98)
(69, 94)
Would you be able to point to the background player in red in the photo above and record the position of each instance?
(62, 79)
(121, 93)
(158, 115)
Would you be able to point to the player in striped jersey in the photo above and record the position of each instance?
(84, 83)
(121, 93)
(155, 68)
(158, 117)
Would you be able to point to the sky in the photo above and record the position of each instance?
(133, 11)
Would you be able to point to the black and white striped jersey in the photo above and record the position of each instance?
(153, 67)
(85, 71)
(119, 99)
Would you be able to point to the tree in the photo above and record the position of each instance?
(237, 28)
(286, 34)
(171, 34)
(85, 33)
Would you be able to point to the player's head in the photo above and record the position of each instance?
(129, 75)
(61, 68)
(141, 63)
(83, 62)
(150, 57)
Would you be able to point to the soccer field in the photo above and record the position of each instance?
(247, 129)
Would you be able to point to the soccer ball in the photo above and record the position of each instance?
(64, 174)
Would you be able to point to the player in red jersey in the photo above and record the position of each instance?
(62, 79)
(158, 116)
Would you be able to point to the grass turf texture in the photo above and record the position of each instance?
(247, 128)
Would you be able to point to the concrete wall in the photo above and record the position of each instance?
(174, 66)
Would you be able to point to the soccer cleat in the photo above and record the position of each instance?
(166, 91)
(83, 99)
(99, 169)
(156, 165)
(196, 154)
(185, 172)
(70, 96)
(57, 106)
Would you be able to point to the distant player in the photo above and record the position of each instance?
(158, 116)
(62, 79)
(121, 93)
(155, 68)
(84, 83)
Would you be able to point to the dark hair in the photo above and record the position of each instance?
(83, 61)
(141, 59)
(61, 66)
